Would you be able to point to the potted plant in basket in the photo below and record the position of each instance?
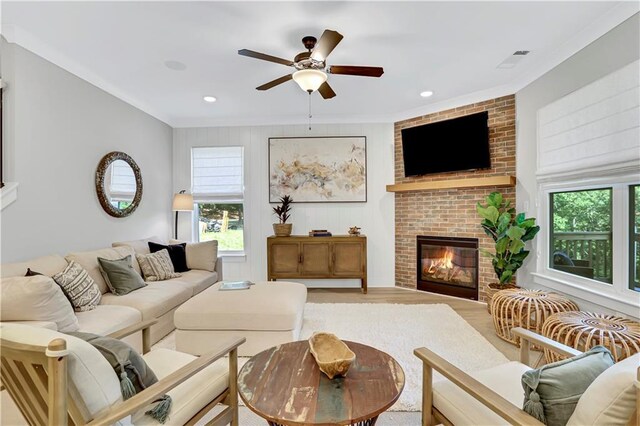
(510, 232)
(282, 228)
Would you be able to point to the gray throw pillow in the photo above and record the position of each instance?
(552, 391)
(120, 276)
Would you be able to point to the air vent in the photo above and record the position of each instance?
(513, 60)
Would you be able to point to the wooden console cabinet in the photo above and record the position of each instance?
(298, 256)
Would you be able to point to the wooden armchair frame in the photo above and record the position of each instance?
(36, 379)
(489, 398)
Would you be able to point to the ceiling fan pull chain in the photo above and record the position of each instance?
(310, 111)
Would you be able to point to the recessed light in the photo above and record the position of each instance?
(210, 99)
(426, 93)
(175, 65)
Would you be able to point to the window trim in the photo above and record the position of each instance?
(618, 295)
(632, 236)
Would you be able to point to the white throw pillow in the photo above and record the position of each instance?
(203, 255)
(36, 298)
(611, 398)
(157, 266)
(79, 287)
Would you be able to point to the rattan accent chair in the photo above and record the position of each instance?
(494, 396)
(56, 379)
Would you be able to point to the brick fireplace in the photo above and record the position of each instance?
(452, 212)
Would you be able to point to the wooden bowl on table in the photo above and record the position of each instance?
(332, 355)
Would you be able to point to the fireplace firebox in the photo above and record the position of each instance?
(448, 265)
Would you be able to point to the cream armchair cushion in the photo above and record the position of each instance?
(611, 398)
(89, 372)
(47, 265)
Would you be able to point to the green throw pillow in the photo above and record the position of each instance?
(552, 391)
(120, 275)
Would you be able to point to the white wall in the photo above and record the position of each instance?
(58, 129)
(614, 50)
(376, 216)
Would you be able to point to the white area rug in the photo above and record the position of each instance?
(397, 330)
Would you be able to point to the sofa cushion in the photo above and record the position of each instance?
(47, 265)
(611, 398)
(89, 261)
(152, 301)
(79, 287)
(192, 395)
(36, 298)
(106, 319)
(91, 374)
(120, 276)
(138, 246)
(202, 255)
(462, 409)
(197, 280)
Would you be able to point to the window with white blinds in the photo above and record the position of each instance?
(122, 182)
(217, 173)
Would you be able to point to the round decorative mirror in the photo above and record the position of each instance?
(118, 184)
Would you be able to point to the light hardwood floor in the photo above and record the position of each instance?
(474, 313)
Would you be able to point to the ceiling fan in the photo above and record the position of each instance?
(311, 66)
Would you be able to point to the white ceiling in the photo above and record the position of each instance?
(452, 48)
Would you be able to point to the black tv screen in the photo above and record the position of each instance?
(446, 146)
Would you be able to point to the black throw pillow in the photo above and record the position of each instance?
(177, 253)
(31, 273)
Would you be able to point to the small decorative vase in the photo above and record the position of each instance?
(492, 289)
(282, 229)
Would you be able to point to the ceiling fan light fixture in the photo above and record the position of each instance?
(309, 80)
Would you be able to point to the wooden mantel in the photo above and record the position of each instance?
(453, 184)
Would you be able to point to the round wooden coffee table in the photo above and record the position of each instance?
(285, 386)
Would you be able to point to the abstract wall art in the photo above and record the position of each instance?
(318, 169)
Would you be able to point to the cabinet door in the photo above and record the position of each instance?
(284, 259)
(348, 259)
(315, 259)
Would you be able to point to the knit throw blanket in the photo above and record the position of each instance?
(132, 371)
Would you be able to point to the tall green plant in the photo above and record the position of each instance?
(509, 231)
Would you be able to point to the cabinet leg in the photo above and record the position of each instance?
(364, 285)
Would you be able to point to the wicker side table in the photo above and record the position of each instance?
(584, 330)
(525, 308)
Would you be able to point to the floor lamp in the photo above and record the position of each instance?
(182, 203)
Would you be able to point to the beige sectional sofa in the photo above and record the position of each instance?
(158, 300)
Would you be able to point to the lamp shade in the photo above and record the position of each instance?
(309, 80)
(183, 202)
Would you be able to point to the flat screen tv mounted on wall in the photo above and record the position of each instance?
(446, 146)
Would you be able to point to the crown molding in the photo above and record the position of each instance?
(23, 38)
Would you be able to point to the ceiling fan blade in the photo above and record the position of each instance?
(264, 57)
(326, 91)
(356, 70)
(275, 82)
(328, 41)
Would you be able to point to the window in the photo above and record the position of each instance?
(634, 237)
(121, 184)
(581, 233)
(218, 191)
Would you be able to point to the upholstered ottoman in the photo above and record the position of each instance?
(267, 314)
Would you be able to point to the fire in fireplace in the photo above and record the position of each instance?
(448, 265)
